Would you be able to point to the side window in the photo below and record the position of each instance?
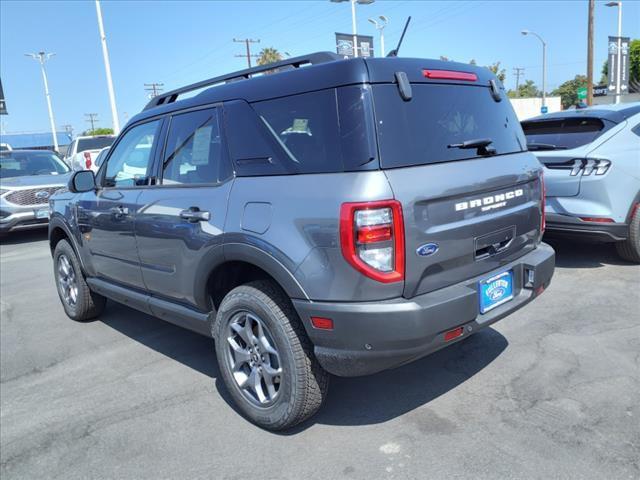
(636, 129)
(194, 153)
(131, 157)
(70, 148)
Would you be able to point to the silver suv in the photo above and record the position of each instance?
(27, 179)
(343, 218)
(592, 172)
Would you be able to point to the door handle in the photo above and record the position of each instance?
(120, 211)
(194, 215)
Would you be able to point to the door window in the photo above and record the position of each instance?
(194, 152)
(129, 162)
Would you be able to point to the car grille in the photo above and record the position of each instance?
(32, 196)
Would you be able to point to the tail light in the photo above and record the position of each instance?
(543, 213)
(87, 160)
(588, 166)
(450, 75)
(372, 239)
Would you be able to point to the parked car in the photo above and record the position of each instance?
(100, 157)
(83, 151)
(305, 233)
(27, 179)
(591, 159)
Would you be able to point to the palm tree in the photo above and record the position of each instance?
(269, 55)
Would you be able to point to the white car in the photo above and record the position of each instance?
(5, 147)
(83, 151)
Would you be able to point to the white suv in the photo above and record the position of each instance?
(82, 152)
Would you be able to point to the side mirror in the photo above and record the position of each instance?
(82, 181)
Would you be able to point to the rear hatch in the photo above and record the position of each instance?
(467, 211)
(562, 144)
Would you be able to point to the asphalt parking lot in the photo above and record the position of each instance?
(550, 392)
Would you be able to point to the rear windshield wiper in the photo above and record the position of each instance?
(544, 146)
(482, 144)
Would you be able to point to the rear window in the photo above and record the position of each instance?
(563, 133)
(419, 131)
(95, 143)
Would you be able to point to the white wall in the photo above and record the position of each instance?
(530, 107)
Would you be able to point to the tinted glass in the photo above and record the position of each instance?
(419, 131)
(563, 133)
(129, 162)
(305, 127)
(101, 156)
(194, 152)
(94, 143)
(636, 129)
(19, 164)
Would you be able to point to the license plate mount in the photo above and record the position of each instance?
(495, 291)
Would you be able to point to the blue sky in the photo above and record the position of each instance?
(179, 42)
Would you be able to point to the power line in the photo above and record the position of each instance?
(154, 89)
(247, 42)
(92, 118)
(518, 71)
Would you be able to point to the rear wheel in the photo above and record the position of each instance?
(630, 248)
(79, 302)
(265, 357)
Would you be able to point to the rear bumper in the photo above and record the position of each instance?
(566, 225)
(369, 337)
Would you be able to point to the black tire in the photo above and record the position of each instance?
(87, 304)
(630, 248)
(303, 383)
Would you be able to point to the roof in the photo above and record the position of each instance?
(34, 140)
(614, 113)
(329, 72)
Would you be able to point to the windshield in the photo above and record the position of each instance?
(563, 133)
(434, 125)
(94, 143)
(21, 164)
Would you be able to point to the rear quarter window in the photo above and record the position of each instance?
(419, 131)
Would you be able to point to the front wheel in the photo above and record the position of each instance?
(630, 248)
(266, 358)
(79, 302)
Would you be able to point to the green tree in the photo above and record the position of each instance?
(497, 71)
(269, 55)
(568, 91)
(98, 131)
(528, 89)
(634, 64)
(604, 77)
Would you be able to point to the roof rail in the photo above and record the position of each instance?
(295, 62)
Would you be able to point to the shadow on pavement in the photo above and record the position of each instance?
(580, 254)
(351, 401)
(25, 236)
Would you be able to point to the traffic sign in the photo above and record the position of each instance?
(544, 109)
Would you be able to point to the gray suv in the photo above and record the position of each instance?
(315, 216)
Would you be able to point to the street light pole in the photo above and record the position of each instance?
(354, 30)
(107, 67)
(42, 57)
(380, 27)
(544, 64)
(619, 62)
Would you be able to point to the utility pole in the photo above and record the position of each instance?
(42, 57)
(590, 54)
(518, 72)
(92, 118)
(154, 89)
(107, 67)
(247, 42)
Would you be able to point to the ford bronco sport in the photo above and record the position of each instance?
(315, 216)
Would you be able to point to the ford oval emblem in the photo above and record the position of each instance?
(427, 249)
